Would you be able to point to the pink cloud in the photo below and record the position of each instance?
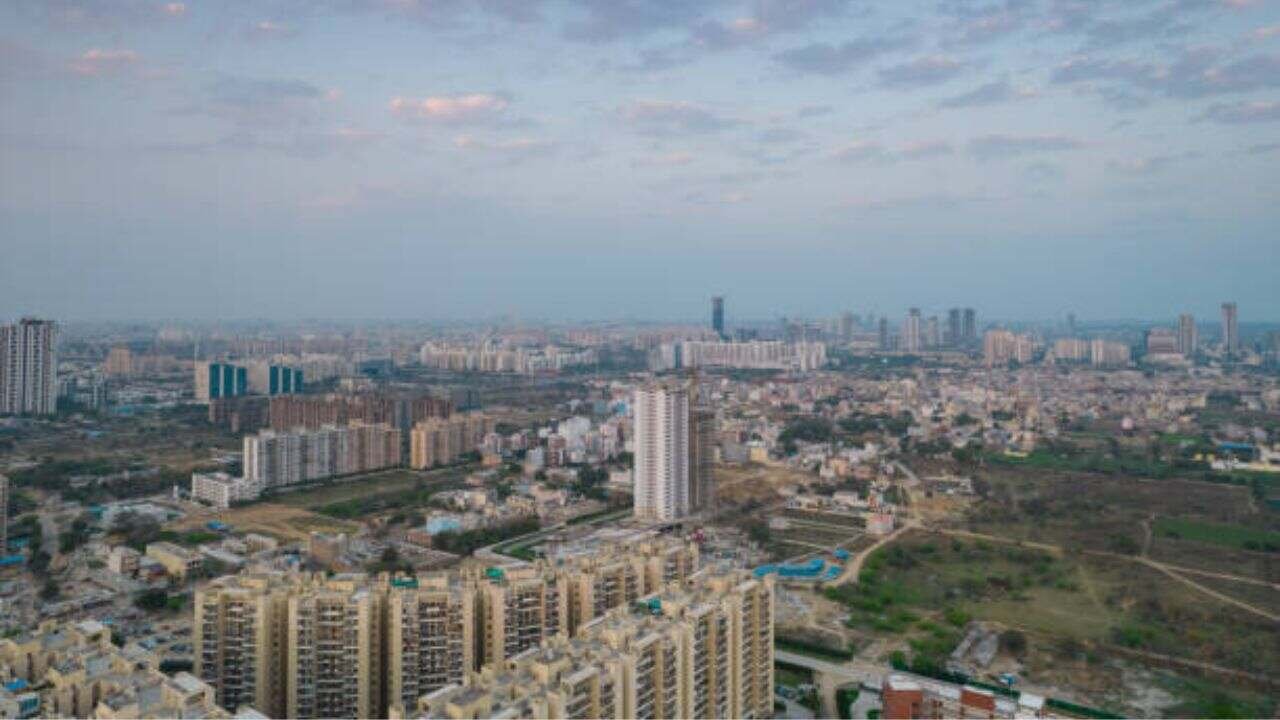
(174, 9)
(450, 108)
(102, 62)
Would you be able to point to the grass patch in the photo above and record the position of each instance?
(1236, 536)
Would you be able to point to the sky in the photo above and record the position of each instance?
(609, 159)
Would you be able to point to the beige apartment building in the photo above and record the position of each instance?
(704, 650)
(431, 624)
(518, 609)
(441, 441)
(74, 670)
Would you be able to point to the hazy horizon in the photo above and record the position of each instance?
(443, 159)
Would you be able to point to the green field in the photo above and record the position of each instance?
(364, 487)
(1236, 536)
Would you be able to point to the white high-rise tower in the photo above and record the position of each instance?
(661, 452)
(28, 368)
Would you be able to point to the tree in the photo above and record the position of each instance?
(1013, 642)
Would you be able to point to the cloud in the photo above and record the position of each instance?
(809, 111)
(1244, 112)
(1265, 33)
(1148, 165)
(976, 25)
(675, 159)
(1192, 74)
(174, 9)
(511, 150)
(989, 147)
(828, 59)
(870, 151)
(992, 93)
(667, 118)
(725, 198)
(270, 30)
(779, 135)
(922, 72)
(612, 20)
(98, 62)
(450, 109)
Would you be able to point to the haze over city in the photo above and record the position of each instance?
(603, 160)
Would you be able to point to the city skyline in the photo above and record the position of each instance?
(458, 159)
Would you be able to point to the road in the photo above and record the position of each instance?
(854, 566)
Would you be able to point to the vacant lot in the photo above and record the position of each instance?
(283, 522)
(364, 486)
(1069, 598)
(1235, 536)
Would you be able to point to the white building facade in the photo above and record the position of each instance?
(661, 452)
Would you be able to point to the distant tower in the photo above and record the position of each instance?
(4, 515)
(1230, 329)
(970, 326)
(1071, 324)
(1188, 337)
(884, 333)
(846, 326)
(911, 331)
(717, 315)
(932, 333)
(953, 327)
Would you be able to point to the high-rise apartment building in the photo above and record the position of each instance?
(28, 368)
(1230, 329)
(119, 362)
(442, 441)
(215, 380)
(911, 331)
(932, 333)
(1107, 353)
(520, 608)
(969, 331)
(702, 456)
(662, 471)
(4, 515)
(268, 378)
(398, 410)
(430, 630)
(239, 640)
(703, 649)
(1161, 341)
(274, 459)
(717, 315)
(1188, 335)
(846, 326)
(884, 334)
(1002, 346)
(310, 646)
(954, 327)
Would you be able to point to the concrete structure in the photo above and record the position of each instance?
(751, 355)
(704, 650)
(911, 332)
(662, 457)
(4, 515)
(268, 378)
(220, 490)
(1105, 353)
(275, 459)
(909, 698)
(442, 441)
(118, 363)
(176, 560)
(28, 368)
(315, 411)
(1188, 335)
(215, 380)
(717, 315)
(123, 560)
(969, 331)
(519, 608)
(74, 670)
(1230, 328)
(1002, 346)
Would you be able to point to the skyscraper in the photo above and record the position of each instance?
(702, 438)
(1230, 329)
(28, 368)
(970, 330)
(932, 334)
(1188, 336)
(846, 326)
(884, 333)
(1071, 324)
(911, 331)
(662, 470)
(953, 327)
(717, 314)
(4, 515)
